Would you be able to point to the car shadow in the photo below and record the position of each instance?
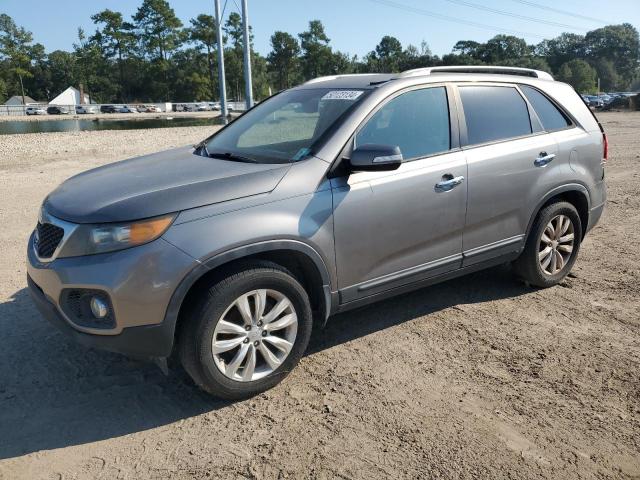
(483, 286)
(55, 393)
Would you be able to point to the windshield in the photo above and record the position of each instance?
(285, 127)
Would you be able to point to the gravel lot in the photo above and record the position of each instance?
(107, 116)
(479, 377)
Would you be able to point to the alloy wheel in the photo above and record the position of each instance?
(254, 335)
(556, 244)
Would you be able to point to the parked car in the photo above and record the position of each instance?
(35, 110)
(57, 110)
(202, 107)
(230, 253)
(148, 109)
(595, 101)
(87, 109)
(127, 109)
(216, 106)
(109, 108)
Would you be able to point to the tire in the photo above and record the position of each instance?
(268, 284)
(530, 265)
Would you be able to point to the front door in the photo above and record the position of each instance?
(398, 227)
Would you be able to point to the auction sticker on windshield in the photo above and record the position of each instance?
(343, 95)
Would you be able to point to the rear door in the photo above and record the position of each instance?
(394, 228)
(508, 157)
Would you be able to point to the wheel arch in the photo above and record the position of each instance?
(576, 194)
(302, 260)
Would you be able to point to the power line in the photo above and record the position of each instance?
(420, 11)
(514, 15)
(562, 12)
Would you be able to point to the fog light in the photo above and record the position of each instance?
(99, 308)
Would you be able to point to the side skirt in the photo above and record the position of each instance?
(427, 282)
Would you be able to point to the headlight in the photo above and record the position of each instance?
(107, 237)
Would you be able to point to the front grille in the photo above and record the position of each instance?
(48, 238)
(76, 305)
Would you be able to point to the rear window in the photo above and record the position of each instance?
(550, 116)
(494, 113)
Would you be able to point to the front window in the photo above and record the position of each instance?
(284, 128)
(416, 121)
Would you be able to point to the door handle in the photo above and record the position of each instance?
(543, 159)
(449, 183)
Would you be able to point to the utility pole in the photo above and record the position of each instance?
(221, 77)
(24, 108)
(247, 57)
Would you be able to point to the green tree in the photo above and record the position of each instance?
(93, 70)
(234, 30)
(412, 57)
(579, 74)
(283, 59)
(618, 44)
(562, 49)
(388, 54)
(260, 74)
(3, 91)
(189, 76)
(316, 57)
(342, 63)
(203, 33)
(502, 48)
(16, 49)
(460, 59)
(62, 71)
(160, 33)
(609, 78)
(467, 47)
(159, 29)
(116, 39)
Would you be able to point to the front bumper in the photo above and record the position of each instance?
(145, 341)
(139, 282)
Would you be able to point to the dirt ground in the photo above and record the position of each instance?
(108, 116)
(479, 377)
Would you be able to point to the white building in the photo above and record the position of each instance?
(17, 100)
(71, 96)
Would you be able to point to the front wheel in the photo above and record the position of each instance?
(552, 246)
(247, 333)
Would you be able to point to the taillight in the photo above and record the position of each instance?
(605, 147)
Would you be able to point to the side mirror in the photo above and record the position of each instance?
(375, 158)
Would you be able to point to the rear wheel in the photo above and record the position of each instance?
(247, 333)
(552, 246)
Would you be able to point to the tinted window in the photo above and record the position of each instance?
(548, 113)
(494, 113)
(416, 121)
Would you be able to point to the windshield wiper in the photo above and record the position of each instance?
(231, 156)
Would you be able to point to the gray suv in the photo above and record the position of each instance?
(323, 198)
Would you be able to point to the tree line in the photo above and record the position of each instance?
(153, 56)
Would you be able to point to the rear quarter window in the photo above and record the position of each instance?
(550, 116)
(494, 113)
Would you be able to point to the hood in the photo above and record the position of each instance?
(156, 184)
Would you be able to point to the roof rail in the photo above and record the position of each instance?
(333, 77)
(489, 69)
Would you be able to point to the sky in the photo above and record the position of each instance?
(354, 26)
